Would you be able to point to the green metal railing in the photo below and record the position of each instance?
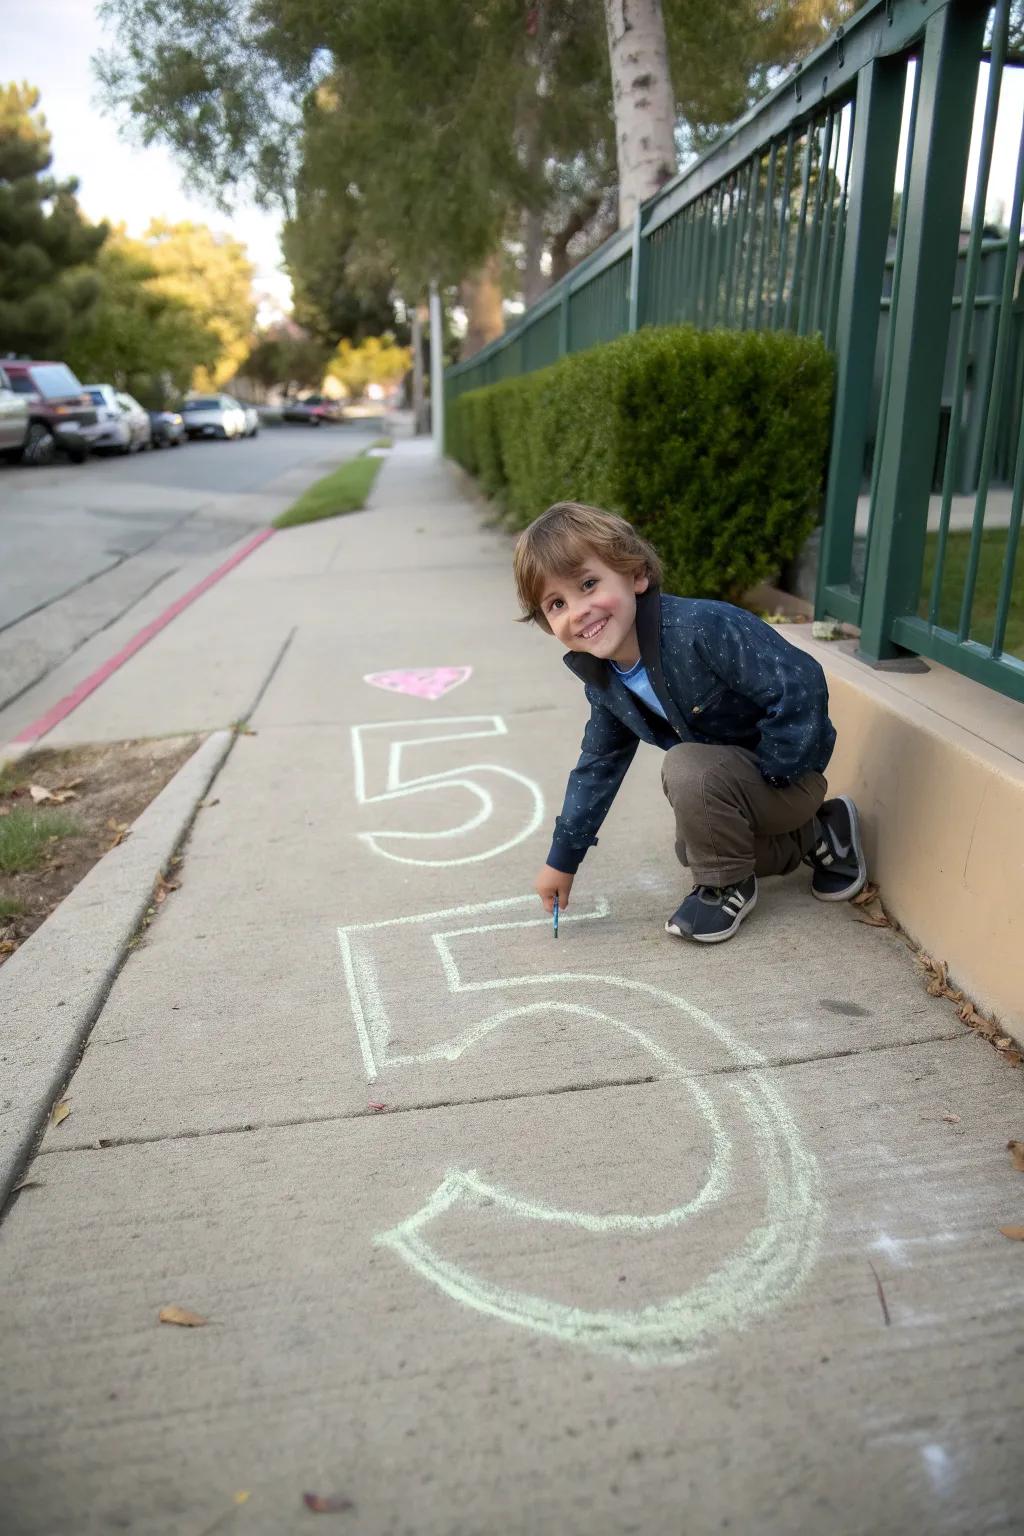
(787, 223)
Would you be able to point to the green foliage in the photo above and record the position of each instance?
(212, 276)
(712, 443)
(377, 360)
(47, 248)
(138, 337)
(408, 137)
(282, 358)
(343, 490)
(342, 289)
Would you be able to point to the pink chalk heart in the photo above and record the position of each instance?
(421, 682)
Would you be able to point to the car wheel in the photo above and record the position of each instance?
(12, 455)
(40, 446)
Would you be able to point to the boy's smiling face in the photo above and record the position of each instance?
(594, 611)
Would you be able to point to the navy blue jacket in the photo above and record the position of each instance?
(722, 675)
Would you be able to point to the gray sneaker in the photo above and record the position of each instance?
(837, 858)
(712, 913)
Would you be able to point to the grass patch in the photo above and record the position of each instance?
(9, 907)
(25, 835)
(343, 490)
(986, 592)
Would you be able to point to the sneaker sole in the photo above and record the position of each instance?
(856, 886)
(716, 938)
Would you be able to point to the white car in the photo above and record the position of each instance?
(121, 423)
(13, 421)
(252, 420)
(213, 416)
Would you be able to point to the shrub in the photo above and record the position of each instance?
(712, 443)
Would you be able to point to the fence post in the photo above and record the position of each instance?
(636, 273)
(908, 436)
(877, 111)
(563, 319)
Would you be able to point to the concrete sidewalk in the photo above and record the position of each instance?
(494, 1233)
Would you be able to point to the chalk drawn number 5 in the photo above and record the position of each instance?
(435, 848)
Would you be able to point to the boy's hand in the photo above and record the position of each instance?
(551, 883)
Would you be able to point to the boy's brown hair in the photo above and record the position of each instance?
(558, 542)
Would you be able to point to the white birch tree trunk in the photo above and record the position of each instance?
(643, 99)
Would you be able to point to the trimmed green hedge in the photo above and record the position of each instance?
(712, 443)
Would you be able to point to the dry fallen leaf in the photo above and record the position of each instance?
(60, 1112)
(874, 919)
(952, 1119)
(163, 889)
(182, 1317)
(867, 895)
(1016, 1233)
(1016, 1151)
(39, 793)
(1002, 1042)
(322, 1504)
(377, 1108)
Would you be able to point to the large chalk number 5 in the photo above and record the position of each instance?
(476, 779)
(767, 1264)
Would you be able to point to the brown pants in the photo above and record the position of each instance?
(729, 822)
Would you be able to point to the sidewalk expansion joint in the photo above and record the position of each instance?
(246, 1127)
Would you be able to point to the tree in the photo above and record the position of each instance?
(645, 115)
(435, 132)
(47, 248)
(377, 360)
(341, 288)
(210, 275)
(137, 336)
(285, 358)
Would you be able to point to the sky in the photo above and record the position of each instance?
(50, 43)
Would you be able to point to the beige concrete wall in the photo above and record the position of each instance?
(936, 766)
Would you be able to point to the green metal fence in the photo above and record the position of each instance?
(788, 223)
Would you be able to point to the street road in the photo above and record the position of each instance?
(82, 544)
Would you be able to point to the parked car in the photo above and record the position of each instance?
(59, 410)
(168, 429)
(213, 416)
(138, 419)
(314, 409)
(13, 421)
(252, 420)
(121, 425)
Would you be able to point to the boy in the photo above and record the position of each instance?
(741, 715)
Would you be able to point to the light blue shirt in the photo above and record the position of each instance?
(637, 681)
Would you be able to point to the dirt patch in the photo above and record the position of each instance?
(101, 789)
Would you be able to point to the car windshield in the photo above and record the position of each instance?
(206, 403)
(54, 379)
(96, 396)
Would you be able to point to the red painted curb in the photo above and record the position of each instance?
(71, 702)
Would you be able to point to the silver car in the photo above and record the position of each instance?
(213, 416)
(13, 421)
(121, 423)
